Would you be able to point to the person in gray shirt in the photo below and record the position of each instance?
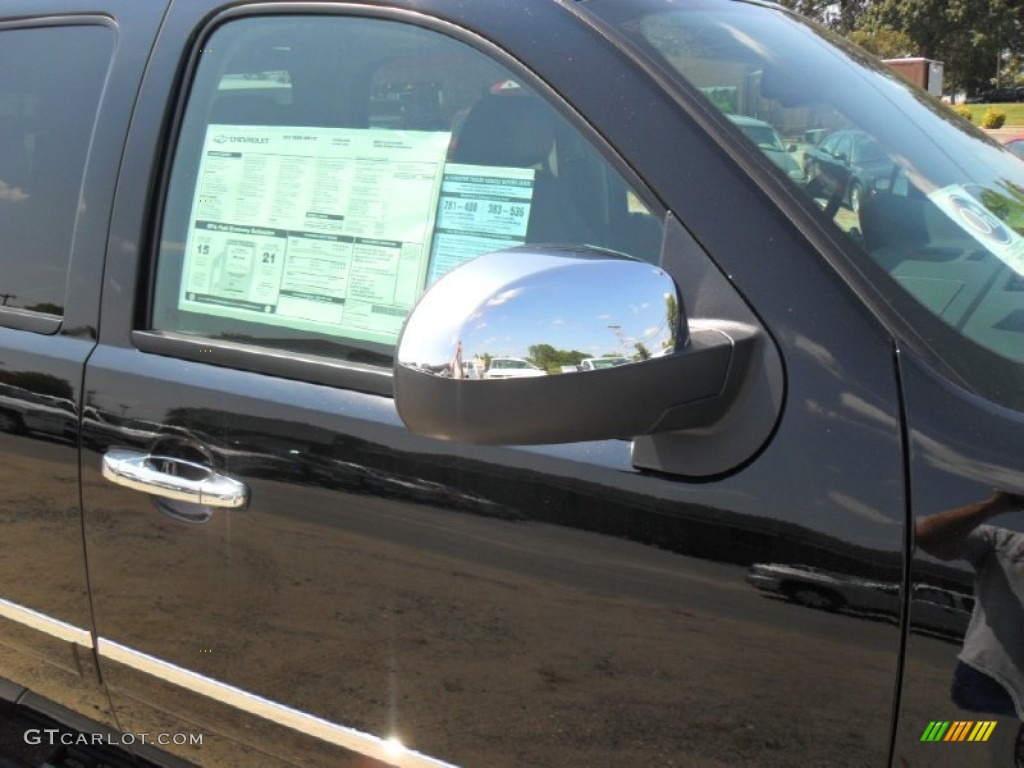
(989, 676)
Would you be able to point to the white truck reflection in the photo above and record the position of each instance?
(932, 608)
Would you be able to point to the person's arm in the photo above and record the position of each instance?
(943, 535)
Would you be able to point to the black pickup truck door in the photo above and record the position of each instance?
(409, 600)
(68, 75)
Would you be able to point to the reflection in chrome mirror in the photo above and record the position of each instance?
(521, 313)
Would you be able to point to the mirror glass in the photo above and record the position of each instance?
(524, 313)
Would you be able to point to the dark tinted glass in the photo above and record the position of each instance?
(51, 79)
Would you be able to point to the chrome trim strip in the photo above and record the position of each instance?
(45, 624)
(389, 752)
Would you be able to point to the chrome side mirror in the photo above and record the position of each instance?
(525, 313)
(491, 352)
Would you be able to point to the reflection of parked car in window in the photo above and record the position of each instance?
(511, 368)
(767, 140)
(1016, 145)
(933, 608)
(997, 96)
(851, 162)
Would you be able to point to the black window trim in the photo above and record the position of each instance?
(273, 361)
(278, 361)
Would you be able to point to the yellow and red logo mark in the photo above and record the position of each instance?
(958, 730)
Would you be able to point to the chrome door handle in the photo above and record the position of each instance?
(173, 478)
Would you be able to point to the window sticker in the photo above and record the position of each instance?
(481, 209)
(981, 224)
(319, 229)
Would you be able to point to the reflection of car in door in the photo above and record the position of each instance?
(941, 610)
(820, 588)
(22, 410)
(817, 588)
(850, 163)
(935, 608)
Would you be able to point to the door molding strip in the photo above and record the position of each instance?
(384, 750)
(45, 624)
(387, 751)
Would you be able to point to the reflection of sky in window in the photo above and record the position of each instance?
(501, 304)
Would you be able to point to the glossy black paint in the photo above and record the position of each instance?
(398, 602)
(491, 605)
(43, 564)
(961, 450)
(42, 362)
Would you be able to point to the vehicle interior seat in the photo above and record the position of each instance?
(517, 131)
(892, 227)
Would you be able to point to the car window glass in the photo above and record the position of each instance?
(51, 80)
(868, 151)
(931, 209)
(328, 169)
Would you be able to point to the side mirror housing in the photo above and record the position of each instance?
(546, 307)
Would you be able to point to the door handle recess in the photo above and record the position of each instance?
(173, 478)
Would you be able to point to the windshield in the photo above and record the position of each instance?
(935, 208)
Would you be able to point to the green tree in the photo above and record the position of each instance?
(840, 15)
(884, 42)
(551, 360)
(672, 318)
(979, 42)
(970, 37)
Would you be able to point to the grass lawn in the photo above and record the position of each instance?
(1014, 113)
